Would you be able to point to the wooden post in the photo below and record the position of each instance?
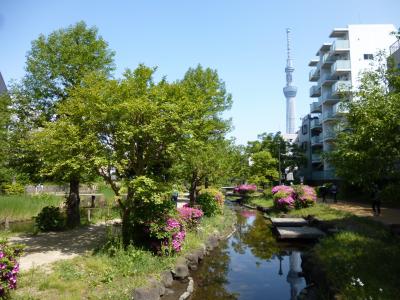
(88, 214)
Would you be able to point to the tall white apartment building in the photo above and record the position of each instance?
(337, 67)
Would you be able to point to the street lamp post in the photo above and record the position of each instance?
(279, 155)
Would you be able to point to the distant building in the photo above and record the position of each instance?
(3, 87)
(337, 68)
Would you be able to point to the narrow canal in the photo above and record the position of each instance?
(251, 264)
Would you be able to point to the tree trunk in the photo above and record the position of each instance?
(206, 182)
(193, 189)
(73, 214)
(128, 234)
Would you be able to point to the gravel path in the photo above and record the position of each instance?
(46, 248)
(388, 215)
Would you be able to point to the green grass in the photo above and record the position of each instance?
(101, 276)
(321, 211)
(361, 260)
(23, 207)
(264, 202)
(108, 194)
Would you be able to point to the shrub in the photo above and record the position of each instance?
(50, 219)
(9, 267)
(211, 201)
(245, 189)
(305, 196)
(297, 196)
(191, 216)
(283, 197)
(13, 189)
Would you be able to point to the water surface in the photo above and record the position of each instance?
(251, 264)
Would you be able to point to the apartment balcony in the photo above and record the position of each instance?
(327, 79)
(315, 91)
(316, 140)
(394, 47)
(340, 67)
(339, 110)
(316, 158)
(329, 135)
(340, 46)
(314, 74)
(315, 123)
(327, 60)
(341, 86)
(329, 98)
(314, 62)
(328, 116)
(315, 107)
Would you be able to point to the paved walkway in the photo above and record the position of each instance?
(46, 248)
(388, 215)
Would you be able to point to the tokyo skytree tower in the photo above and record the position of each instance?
(289, 90)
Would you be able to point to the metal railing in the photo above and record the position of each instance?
(315, 107)
(340, 45)
(394, 47)
(341, 65)
(341, 86)
(315, 91)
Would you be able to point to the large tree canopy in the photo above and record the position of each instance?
(56, 64)
(369, 150)
(136, 127)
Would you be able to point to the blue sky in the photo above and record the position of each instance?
(244, 40)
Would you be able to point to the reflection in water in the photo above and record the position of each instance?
(250, 265)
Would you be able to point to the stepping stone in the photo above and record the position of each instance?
(305, 233)
(289, 222)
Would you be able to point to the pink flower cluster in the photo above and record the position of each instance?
(177, 240)
(190, 215)
(289, 197)
(178, 234)
(309, 194)
(172, 224)
(282, 188)
(287, 201)
(245, 188)
(9, 269)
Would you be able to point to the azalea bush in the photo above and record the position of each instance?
(190, 215)
(290, 197)
(9, 267)
(175, 236)
(211, 201)
(245, 189)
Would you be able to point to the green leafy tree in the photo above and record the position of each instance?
(288, 155)
(141, 128)
(56, 64)
(4, 137)
(368, 150)
(205, 157)
(264, 169)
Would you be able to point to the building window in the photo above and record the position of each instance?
(304, 129)
(368, 56)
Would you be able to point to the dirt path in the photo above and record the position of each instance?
(46, 248)
(388, 215)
